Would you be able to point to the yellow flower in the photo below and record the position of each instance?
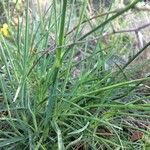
(4, 30)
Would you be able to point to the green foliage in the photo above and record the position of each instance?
(50, 100)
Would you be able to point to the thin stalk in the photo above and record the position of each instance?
(110, 19)
(26, 43)
(110, 87)
(72, 53)
(57, 65)
(134, 57)
(61, 35)
(104, 23)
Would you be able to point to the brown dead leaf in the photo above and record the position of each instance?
(136, 135)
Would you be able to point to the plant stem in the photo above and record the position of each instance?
(61, 35)
(57, 65)
(110, 19)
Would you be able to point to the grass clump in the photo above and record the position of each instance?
(69, 91)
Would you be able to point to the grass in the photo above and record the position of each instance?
(50, 100)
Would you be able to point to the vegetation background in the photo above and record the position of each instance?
(74, 75)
